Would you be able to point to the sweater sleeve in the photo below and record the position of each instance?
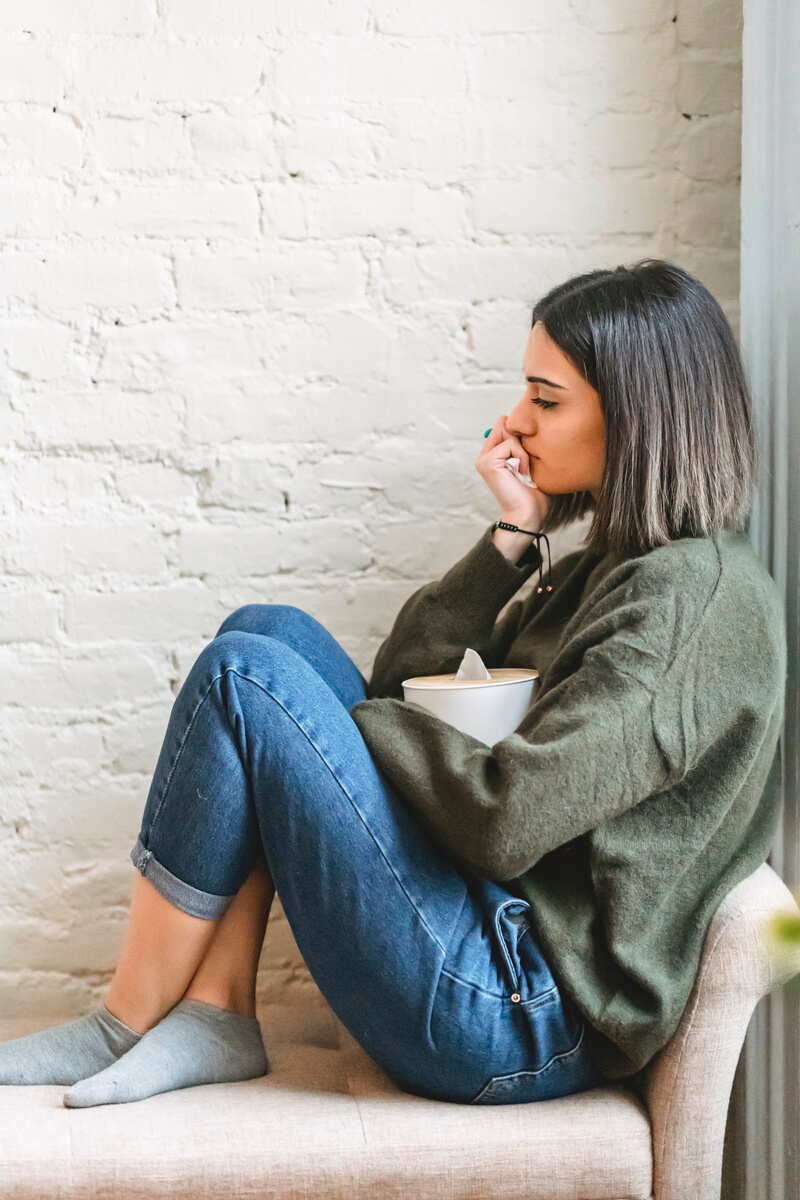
(436, 624)
(586, 752)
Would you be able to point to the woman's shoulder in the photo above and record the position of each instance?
(691, 584)
(713, 586)
(716, 566)
(685, 584)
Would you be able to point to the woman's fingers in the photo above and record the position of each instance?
(523, 505)
(496, 435)
(501, 444)
(511, 447)
(522, 454)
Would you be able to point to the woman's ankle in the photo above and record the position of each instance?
(139, 1015)
(224, 996)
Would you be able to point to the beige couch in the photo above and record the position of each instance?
(326, 1123)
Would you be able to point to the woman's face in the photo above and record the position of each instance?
(558, 420)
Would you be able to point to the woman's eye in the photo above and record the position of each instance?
(544, 403)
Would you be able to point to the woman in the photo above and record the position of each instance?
(493, 924)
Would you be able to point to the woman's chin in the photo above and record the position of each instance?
(555, 487)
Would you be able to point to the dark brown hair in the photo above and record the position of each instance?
(680, 443)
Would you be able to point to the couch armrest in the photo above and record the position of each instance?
(687, 1086)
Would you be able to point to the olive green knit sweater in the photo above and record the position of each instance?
(639, 789)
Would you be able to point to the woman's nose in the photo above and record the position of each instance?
(523, 419)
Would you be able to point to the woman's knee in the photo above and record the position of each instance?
(235, 654)
(270, 620)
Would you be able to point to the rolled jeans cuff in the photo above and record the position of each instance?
(188, 899)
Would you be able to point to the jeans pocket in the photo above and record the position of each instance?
(564, 1074)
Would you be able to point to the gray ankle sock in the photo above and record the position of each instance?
(195, 1043)
(68, 1052)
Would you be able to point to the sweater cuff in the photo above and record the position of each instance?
(487, 576)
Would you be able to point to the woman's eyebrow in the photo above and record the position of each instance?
(547, 382)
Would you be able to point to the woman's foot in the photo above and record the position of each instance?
(67, 1053)
(195, 1043)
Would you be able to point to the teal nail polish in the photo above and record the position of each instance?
(488, 431)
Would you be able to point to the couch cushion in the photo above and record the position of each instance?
(325, 1124)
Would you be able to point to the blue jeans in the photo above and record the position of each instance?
(434, 971)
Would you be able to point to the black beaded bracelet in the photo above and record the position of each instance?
(512, 528)
(524, 561)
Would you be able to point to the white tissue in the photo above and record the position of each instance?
(512, 465)
(472, 667)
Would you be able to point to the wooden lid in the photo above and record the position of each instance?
(499, 675)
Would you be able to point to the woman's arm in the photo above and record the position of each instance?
(436, 624)
(586, 752)
(502, 808)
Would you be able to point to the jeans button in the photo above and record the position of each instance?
(515, 998)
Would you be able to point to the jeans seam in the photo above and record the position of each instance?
(530, 1005)
(476, 986)
(492, 1084)
(555, 1058)
(345, 792)
(338, 782)
(179, 752)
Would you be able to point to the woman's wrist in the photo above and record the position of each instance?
(512, 545)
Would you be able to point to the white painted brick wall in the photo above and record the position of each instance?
(264, 273)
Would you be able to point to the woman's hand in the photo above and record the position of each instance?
(519, 505)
